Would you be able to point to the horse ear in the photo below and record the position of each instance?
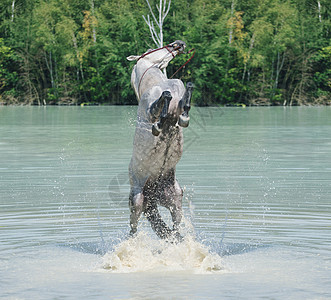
(133, 57)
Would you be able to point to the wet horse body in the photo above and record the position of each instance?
(158, 141)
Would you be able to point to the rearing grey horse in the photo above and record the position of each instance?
(158, 142)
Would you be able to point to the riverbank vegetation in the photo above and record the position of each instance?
(252, 52)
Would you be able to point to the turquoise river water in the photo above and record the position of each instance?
(257, 206)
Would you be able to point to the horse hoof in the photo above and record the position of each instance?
(183, 121)
(167, 95)
(132, 234)
(178, 238)
(156, 129)
(175, 238)
(189, 85)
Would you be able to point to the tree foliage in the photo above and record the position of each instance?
(247, 52)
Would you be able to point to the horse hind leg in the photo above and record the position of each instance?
(158, 225)
(140, 203)
(159, 111)
(174, 204)
(136, 203)
(171, 196)
(185, 104)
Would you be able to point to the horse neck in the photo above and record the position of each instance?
(147, 75)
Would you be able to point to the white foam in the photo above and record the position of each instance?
(144, 254)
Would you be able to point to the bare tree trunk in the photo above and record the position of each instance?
(249, 54)
(12, 10)
(94, 34)
(319, 11)
(163, 10)
(280, 63)
(80, 69)
(279, 67)
(233, 4)
(49, 65)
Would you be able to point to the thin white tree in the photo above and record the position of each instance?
(94, 34)
(319, 11)
(12, 10)
(233, 5)
(157, 33)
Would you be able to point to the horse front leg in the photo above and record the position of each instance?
(159, 111)
(158, 225)
(185, 104)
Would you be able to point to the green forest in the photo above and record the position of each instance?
(248, 52)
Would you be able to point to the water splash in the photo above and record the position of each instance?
(144, 254)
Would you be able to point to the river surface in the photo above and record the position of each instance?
(257, 206)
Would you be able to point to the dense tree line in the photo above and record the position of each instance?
(247, 51)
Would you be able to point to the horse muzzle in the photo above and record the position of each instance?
(178, 46)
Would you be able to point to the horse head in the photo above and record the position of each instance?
(153, 59)
(160, 57)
